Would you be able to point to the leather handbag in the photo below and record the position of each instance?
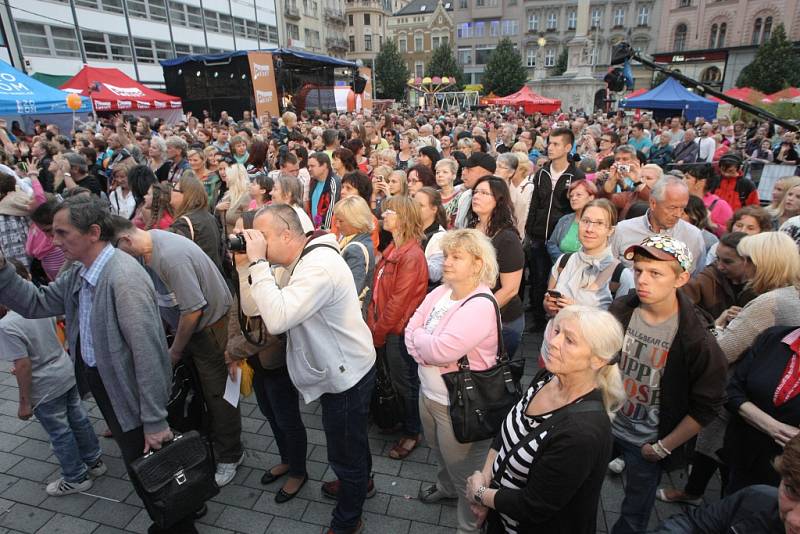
(177, 479)
(480, 400)
(386, 407)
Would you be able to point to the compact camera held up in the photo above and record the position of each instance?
(236, 243)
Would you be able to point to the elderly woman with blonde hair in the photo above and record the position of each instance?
(454, 321)
(355, 222)
(545, 469)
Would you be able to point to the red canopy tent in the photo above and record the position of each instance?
(111, 90)
(530, 101)
(636, 93)
(787, 94)
(747, 94)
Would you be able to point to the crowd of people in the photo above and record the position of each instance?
(333, 252)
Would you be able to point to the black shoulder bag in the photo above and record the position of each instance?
(480, 400)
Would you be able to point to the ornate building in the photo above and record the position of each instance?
(367, 21)
(315, 25)
(420, 28)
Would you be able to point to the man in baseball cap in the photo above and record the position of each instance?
(478, 165)
(673, 373)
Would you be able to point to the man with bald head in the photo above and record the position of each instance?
(668, 199)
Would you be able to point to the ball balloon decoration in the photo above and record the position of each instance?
(74, 102)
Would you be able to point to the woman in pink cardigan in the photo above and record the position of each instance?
(445, 327)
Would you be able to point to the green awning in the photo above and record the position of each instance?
(53, 80)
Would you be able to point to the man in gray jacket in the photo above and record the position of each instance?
(112, 325)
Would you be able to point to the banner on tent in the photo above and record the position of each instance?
(265, 89)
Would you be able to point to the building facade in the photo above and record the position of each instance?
(480, 24)
(43, 38)
(712, 41)
(367, 22)
(316, 26)
(420, 28)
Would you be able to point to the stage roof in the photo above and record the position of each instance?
(290, 52)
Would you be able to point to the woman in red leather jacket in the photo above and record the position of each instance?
(401, 281)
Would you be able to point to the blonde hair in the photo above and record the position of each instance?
(604, 335)
(355, 211)
(383, 171)
(791, 182)
(411, 134)
(477, 244)
(409, 218)
(524, 163)
(289, 119)
(464, 142)
(199, 153)
(450, 163)
(403, 182)
(785, 180)
(775, 257)
(519, 146)
(238, 183)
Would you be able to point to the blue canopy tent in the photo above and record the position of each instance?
(672, 96)
(25, 99)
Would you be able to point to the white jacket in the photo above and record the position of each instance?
(329, 348)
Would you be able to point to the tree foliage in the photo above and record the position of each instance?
(561, 63)
(391, 73)
(443, 63)
(504, 73)
(775, 67)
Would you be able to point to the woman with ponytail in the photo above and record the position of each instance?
(545, 469)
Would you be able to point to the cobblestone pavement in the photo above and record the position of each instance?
(27, 462)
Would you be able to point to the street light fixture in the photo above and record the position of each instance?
(541, 41)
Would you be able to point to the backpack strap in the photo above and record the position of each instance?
(309, 249)
(191, 227)
(614, 284)
(366, 266)
(562, 261)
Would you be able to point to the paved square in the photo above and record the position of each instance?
(245, 506)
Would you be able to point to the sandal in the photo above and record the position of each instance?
(399, 452)
(676, 495)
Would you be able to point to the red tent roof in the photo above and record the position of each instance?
(786, 94)
(636, 93)
(530, 101)
(747, 94)
(118, 92)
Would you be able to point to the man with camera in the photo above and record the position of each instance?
(112, 327)
(329, 351)
(202, 298)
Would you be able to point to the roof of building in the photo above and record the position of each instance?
(417, 7)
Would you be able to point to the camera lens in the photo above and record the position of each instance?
(236, 243)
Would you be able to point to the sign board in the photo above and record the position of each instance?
(366, 98)
(265, 91)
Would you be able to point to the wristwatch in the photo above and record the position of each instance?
(479, 495)
(262, 260)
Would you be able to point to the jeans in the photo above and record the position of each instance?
(540, 266)
(345, 420)
(206, 349)
(71, 433)
(279, 401)
(131, 446)
(512, 335)
(641, 482)
(405, 376)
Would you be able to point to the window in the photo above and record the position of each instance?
(224, 23)
(533, 22)
(418, 46)
(767, 30)
(212, 22)
(572, 20)
(91, 4)
(194, 17)
(34, 40)
(711, 75)
(597, 14)
(550, 57)
(64, 41)
(717, 37)
(178, 14)
(619, 16)
(445, 41)
(367, 21)
(252, 29)
(120, 48)
(312, 38)
(482, 53)
(113, 6)
(593, 59)
(239, 26)
(435, 42)
(480, 3)
(137, 8)
(163, 50)
(183, 49)
(530, 57)
(273, 34)
(464, 56)
(712, 38)
(684, 3)
(419, 69)
(144, 50)
(643, 19)
(158, 10)
(552, 21)
(510, 27)
(494, 28)
(402, 45)
(349, 20)
(679, 38)
(352, 40)
(464, 30)
(478, 29)
(95, 45)
(293, 31)
(462, 4)
(368, 43)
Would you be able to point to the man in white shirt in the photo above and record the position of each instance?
(707, 144)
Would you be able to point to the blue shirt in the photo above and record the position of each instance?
(90, 277)
(642, 145)
(316, 194)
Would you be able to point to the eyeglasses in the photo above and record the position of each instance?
(589, 223)
(482, 192)
(176, 190)
(605, 140)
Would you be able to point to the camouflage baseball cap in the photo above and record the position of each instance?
(665, 248)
